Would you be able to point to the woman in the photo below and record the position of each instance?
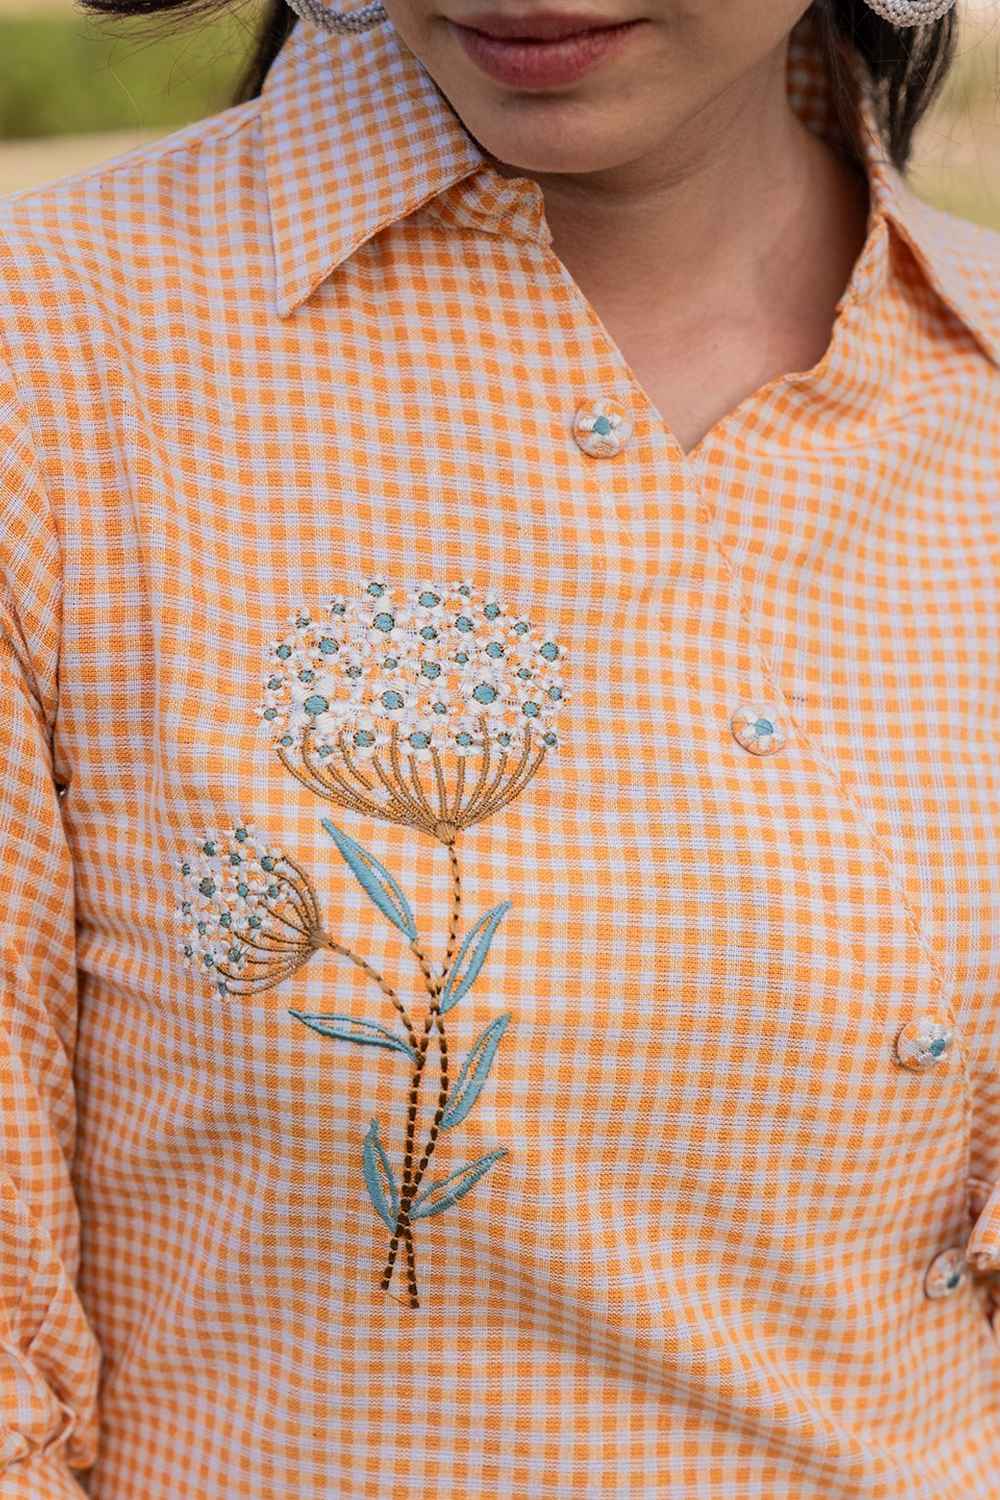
(501, 865)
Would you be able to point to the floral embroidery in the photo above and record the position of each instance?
(431, 707)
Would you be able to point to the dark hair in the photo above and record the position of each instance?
(909, 64)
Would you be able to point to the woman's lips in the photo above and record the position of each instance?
(532, 64)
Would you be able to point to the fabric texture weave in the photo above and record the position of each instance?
(467, 863)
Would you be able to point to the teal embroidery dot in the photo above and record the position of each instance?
(273, 890)
(548, 739)
(364, 737)
(225, 920)
(234, 954)
(463, 623)
(954, 1279)
(531, 709)
(307, 674)
(235, 858)
(254, 921)
(316, 704)
(419, 740)
(503, 738)
(431, 669)
(267, 863)
(352, 671)
(937, 1046)
(390, 662)
(463, 738)
(274, 683)
(284, 651)
(242, 889)
(270, 713)
(188, 951)
(549, 650)
(338, 607)
(461, 657)
(222, 987)
(555, 693)
(285, 740)
(494, 649)
(186, 908)
(463, 588)
(202, 928)
(484, 693)
(241, 835)
(520, 628)
(324, 751)
(764, 726)
(392, 699)
(428, 600)
(208, 847)
(328, 645)
(602, 425)
(376, 590)
(440, 708)
(429, 633)
(185, 868)
(491, 610)
(384, 621)
(524, 673)
(209, 961)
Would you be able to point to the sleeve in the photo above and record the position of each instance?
(49, 1355)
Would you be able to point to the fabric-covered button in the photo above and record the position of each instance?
(602, 427)
(946, 1273)
(924, 1041)
(758, 729)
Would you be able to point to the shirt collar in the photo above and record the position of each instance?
(356, 135)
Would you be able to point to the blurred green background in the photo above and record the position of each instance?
(76, 89)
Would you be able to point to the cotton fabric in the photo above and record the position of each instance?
(311, 361)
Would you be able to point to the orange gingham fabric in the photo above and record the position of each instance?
(281, 393)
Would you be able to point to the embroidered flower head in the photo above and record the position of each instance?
(249, 912)
(396, 682)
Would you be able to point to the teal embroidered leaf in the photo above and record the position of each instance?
(379, 1179)
(474, 1071)
(441, 1195)
(348, 1029)
(481, 934)
(374, 880)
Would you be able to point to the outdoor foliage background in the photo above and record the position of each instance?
(75, 89)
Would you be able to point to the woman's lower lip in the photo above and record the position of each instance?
(540, 64)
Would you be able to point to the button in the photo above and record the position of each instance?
(602, 427)
(758, 729)
(946, 1273)
(924, 1041)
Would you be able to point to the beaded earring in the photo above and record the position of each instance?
(910, 12)
(330, 20)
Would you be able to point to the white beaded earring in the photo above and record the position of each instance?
(910, 12)
(330, 20)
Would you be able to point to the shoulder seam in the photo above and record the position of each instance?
(155, 150)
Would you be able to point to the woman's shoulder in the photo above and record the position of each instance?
(92, 239)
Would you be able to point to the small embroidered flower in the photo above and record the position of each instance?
(602, 427)
(249, 913)
(400, 679)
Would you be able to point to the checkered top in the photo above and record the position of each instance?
(500, 915)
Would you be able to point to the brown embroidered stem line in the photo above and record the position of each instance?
(412, 1180)
(384, 986)
(418, 788)
(516, 788)
(317, 784)
(442, 790)
(459, 789)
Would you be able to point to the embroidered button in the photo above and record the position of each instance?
(759, 730)
(602, 427)
(946, 1273)
(924, 1041)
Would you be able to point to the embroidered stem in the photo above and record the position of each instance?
(411, 1179)
(383, 985)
